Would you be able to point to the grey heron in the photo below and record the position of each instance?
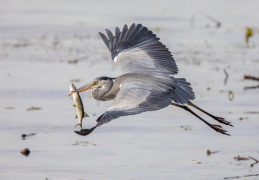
(146, 83)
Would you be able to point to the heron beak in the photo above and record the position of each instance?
(83, 88)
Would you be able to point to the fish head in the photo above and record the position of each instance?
(72, 88)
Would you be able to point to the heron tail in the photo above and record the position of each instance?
(183, 92)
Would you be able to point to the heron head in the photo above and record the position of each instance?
(96, 83)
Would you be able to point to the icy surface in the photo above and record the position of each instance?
(46, 45)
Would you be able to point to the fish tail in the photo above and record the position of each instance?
(85, 114)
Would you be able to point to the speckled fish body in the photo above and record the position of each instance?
(78, 104)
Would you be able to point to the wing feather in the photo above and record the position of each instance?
(135, 99)
(109, 34)
(105, 40)
(128, 33)
(142, 44)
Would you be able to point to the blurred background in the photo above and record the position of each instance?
(47, 45)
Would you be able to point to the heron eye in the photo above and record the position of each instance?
(95, 82)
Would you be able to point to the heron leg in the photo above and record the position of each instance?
(98, 119)
(219, 119)
(217, 128)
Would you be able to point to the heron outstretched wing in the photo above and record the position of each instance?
(135, 99)
(139, 93)
(138, 49)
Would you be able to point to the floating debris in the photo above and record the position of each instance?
(75, 80)
(256, 161)
(237, 177)
(33, 108)
(249, 34)
(238, 158)
(252, 112)
(243, 118)
(218, 24)
(156, 29)
(226, 78)
(231, 95)
(27, 135)
(83, 143)
(9, 108)
(251, 87)
(18, 45)
(72, 61)
(25, 152)
(187, 127)
(251, 77)
(211, 152)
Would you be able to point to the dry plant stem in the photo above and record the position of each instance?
(218, 24)
(251, 87)
(239, 158)
(226, 79)
(256, 161)
(251, 77)
(237, 177)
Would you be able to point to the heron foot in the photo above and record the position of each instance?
(219, 129)
(223, 121)
(85, 132)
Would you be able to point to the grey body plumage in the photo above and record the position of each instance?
(147, 81)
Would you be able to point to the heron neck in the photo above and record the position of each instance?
(112, 93)
(106, 92)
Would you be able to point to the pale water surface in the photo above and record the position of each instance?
(39, 43)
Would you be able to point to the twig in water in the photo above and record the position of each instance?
(252, 112)
(256, 161)
(249, 34)
(251, 77)
(237, 177)
(226, 79)
(218, 24)
(26, 135)
(251, 87)
(74, 61)
(238, 158)
(231, 95)
(211, 152)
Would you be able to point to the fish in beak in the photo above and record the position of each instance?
(78, 105)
